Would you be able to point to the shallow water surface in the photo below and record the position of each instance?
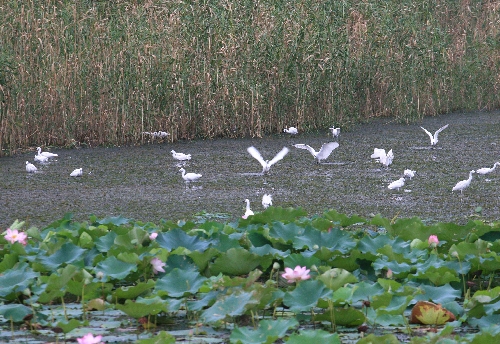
(144, 183)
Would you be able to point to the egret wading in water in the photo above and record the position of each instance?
(189, 177)
(30, 168)
(409, 173)
(397, 184)
(382, 157)
(486, 170)
(335, 131)
(323, 153)
(47, 154)
(248, 211)
(434, 138)
(463, 184)
(76, 173)
(180, 156)
(291, 130)
(267, 200)
(266, 164)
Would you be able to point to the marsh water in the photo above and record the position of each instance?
(144, 182)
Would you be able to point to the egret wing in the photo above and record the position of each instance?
(255, 153)
(279, 156)
(304, 146)
(440, 130)
(428, 133)
(326, 150)
(377, 153)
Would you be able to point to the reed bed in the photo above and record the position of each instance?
(102, 72)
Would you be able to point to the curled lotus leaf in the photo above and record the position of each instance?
(428, 313)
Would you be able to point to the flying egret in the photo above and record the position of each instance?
(409, 173)
(267, 200)
(41, 158)
(397, 184)
(189, 177)
(180, 156)
(434, 138)
(47, 154)
(486, 170)
(382, 157)
(248, 211)
(30, 168)
(461, 185)
(77, 173)
(291, 130)
(335, 131)
(323, 153)
(266, 164)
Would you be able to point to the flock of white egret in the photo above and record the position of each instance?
(44, 157)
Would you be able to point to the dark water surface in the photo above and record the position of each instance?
(144, 183)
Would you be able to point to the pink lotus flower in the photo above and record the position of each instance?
(157, 265)
(433, 241)
(153, 236)
(297, 274)
(13, 235)
(89, 339)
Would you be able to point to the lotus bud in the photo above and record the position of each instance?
(276, 266)
(315, 247)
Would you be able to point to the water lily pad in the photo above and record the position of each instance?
(428, 313)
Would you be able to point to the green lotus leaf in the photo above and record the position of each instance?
(131, 292)
(299, 259)
(67, 254)
(68, 326)
(369, 244)
(396, 305)
(372, 338)
(177, 238)
(104, 243)
(267, 332)
(485, 322)
(343, 220)
(179, 282)
(349, 316)
(202, 301)
(336, 278)
(230, 305)
(85, 240)
(441, 294)
(314, 337)
(284, 232)
(396, 268)
(162, 337)
(142, 307)
(237, 262)
(306, 295)
(16, 279)
(438, 276)
(365, 291)
(8, 261)
(112, 267)
(114, 220)
(15, 312)
(203, 258)
(335, 240)
(269, 250)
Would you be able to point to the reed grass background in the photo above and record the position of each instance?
(103, 72)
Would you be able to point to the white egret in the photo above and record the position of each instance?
(397, 184)
(30, 168)
(461, 185)
(382, 157)
(266, 164)
(267, 200)
(248, 211)
(323, 153)
(291, 130)
(41, 158)
(47, 154)
(189, 177)
(409, 173)
(77, 173)
(180, 156)
(434, 138)
(486, 170)
(335, 131)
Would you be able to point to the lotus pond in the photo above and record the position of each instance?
(222, 281)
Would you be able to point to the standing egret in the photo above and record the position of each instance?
(323, 153)
(335, 131)
(267, 200)
(409, 173)
(30, 168)
(397, 184)
(434, 138)
(77, 173)
(41, 158)
(47, 154)
(266, 164)
(486, 170)
(189, 177)
(461, 185)
(180, 156)
(382, 157)
(291, 130)
(248, 211)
